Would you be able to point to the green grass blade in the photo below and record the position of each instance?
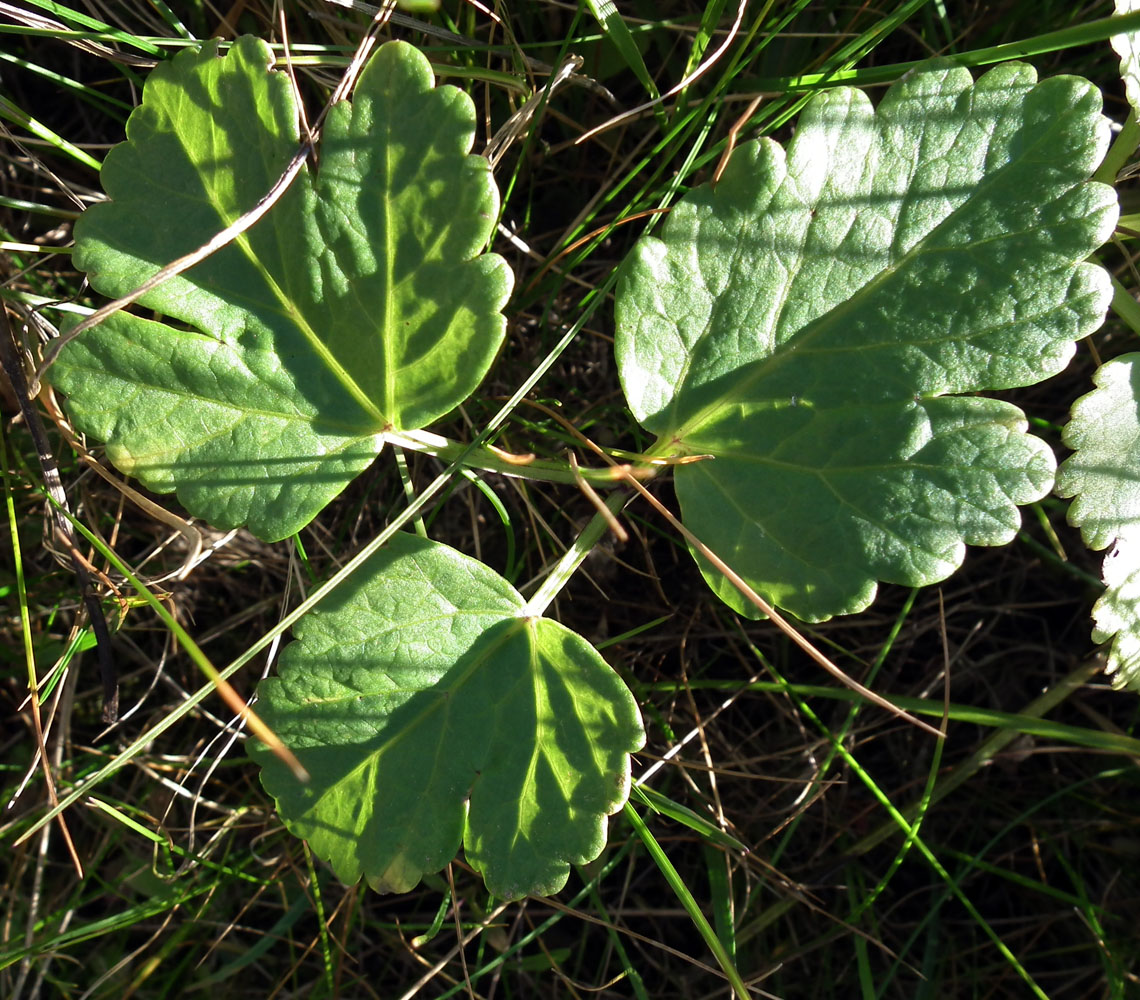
(692, 907)
(607, 15)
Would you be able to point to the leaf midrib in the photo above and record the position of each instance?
(319, 348)
(210, 183)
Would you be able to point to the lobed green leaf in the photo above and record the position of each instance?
(360, 304)
(818, 320)
(430, 709)
(1101, 476)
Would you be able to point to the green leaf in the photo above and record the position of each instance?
(359, 304)
(816, 322)
(430, 708)
(1127, 46)
(1103, 477)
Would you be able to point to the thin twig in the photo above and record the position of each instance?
(608, 515)
(730, 142)
(777, 619)
(183, 263)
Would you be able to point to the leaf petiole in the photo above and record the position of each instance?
(582, 546)
(492, 459)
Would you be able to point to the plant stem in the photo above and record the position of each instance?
(1121, 150)
(560, 575)
(521, 466)
(1125, 306)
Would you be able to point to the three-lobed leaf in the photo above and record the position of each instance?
(1101, 476)
(361, 303)
(817, 321)
(430, 709)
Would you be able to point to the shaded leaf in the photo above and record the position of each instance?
(1103, 477)
(816, 321)
(430, 709)
(359, 304)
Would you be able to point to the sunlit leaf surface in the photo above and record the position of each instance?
(820, 320)
(1103, 477)
(431, 710)
(360, 303)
